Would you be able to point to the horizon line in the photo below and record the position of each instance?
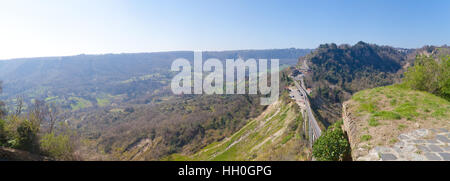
(184, 50)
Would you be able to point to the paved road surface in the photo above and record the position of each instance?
(314, 126)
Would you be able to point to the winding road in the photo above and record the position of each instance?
(313, 128)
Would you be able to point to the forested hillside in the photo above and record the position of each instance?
(339, 71)
(277, 134)
(184, 124)
(83, 81)
(120, 103)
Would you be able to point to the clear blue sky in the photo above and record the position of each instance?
(55, 28)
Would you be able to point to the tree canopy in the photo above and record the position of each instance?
(430, 74)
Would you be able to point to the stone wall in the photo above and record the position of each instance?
(349, 128)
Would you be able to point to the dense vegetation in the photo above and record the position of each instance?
(332, 145)
(37, 132)
(340, 71)
(430, 74)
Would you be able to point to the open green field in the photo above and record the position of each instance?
(80, 103)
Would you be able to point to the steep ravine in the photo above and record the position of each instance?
(277, 134)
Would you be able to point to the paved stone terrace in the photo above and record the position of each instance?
(418, 145)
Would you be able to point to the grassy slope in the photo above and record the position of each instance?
(385, 112)
(274, 135)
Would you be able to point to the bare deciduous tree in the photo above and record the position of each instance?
(2, 111)
(19, 105)
(39, 112)
(53, 112)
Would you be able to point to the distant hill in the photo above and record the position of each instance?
(67, 79)
(340, 71)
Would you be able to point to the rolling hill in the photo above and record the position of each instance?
(116, 102)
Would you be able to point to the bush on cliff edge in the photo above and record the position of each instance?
(332, 145)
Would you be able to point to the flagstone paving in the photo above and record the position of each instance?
(418, 145)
